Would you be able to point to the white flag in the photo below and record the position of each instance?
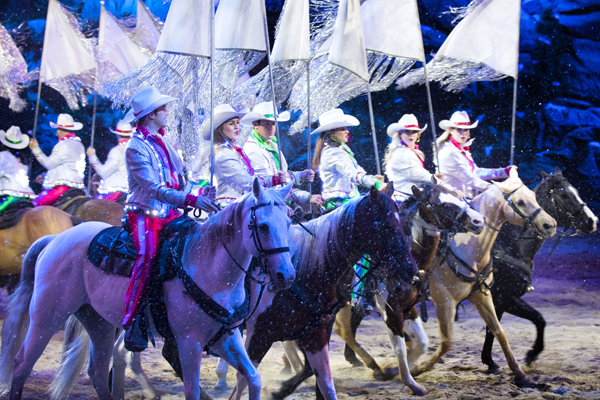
(348, 43)
(146, 29)
(489, 35)
(392, 27)
(293, 38)
(240, 25)
(64, 53)
(115, 46)
(187, 29)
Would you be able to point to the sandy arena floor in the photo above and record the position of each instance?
(567, 292)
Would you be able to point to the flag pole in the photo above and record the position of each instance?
(373, 132)
(89, 185)
(212, 90)
(268, 45)
(37, 106)
(429, 102)
(514, 121)
(309, 143)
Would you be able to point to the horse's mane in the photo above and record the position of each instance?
(333, 233)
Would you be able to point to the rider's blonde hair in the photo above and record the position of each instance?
(390, 149)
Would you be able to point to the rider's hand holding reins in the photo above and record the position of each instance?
(204, 203)
(210, 192)
(308, 175)
(460, 194)
(316, 199)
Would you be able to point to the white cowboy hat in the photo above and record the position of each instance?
(223, 113)
(122, 129)
(333, 119)
(408, 122)
(264, 111)
(14, 138)
(460, 119)
(144, 102)
(66, 122)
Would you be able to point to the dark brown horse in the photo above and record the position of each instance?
(367, 225)
(76, 203)
(515, 249)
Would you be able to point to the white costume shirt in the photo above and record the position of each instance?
(113, 172)
(264, 165)
(457, 171)
(14, 178)
(406, 169)
(65, 165)
(232, 176)
(341, 173)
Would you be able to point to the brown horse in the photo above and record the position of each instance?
(91, 209)
(15, 241)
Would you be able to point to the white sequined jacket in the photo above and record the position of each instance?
(65, 165)
(113, 172)
(14, 179)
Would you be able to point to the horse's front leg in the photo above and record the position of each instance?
(520, 308)
(485, 307)
(317, 354)
(420, 340)
(231, 349)
(190, 355)
(445, 308)
(343, 328)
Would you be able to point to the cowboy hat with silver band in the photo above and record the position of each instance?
(223, 113)
(460, 120)
(66, 122)
(122, 129)
(264, 111)
(144, 102)
(407, 122)
(334, 119)
(14, 138)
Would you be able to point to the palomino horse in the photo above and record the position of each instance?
(15, 241)
(463, 270)
(436, 210)
(515, 249)
(93, 209)
(367, 225)
(58, 280)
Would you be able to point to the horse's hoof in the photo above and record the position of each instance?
(531, 357)
(356, 363)
(418, 390)
(525, 382)
(204, 395)
(220, 386)
(416, 371)
(493, 369)
(385, 375)
(286, 371)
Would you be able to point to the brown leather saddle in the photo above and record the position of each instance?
(71, 200)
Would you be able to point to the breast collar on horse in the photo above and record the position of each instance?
(229, 321)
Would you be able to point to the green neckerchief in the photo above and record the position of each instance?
(8, 201)
(345, 147)
(262, 143)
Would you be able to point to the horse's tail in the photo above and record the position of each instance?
(76, 349)
(16, 321)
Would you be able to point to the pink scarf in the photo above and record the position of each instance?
(162, 152)
(464, 151)
(413, 150)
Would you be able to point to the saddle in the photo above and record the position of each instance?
(13, 213)
(71, 200)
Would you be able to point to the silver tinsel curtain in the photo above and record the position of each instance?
(13, 71)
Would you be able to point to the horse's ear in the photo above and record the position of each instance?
(256, 188)
(543, 174)
(375, 195)
(389, 189)
(284, 191)
(557, 171)
(416, 192)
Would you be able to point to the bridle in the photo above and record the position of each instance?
(559, 205)
(528, 219)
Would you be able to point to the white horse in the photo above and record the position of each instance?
(58, 280)
(506, 201)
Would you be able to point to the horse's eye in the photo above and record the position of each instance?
(521, 203)
(263, 227)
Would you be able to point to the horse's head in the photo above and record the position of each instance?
(520, 206)
(266, 216)
(440, 208)
(561, 200)
(379, 226)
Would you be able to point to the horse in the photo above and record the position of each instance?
(16, 240)
(369, 224)
(436, 210)
(463, 269)
(58, 280)
(515, 249)
(88, 209)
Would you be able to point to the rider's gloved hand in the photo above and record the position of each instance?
(200, 202)
(308, 175)
(210, 192)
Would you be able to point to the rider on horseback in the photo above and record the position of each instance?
(14, 180)
(404, 163)
(157, 188)
(114, 171)
(456, 163)
(66, 163)
(262, 149)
